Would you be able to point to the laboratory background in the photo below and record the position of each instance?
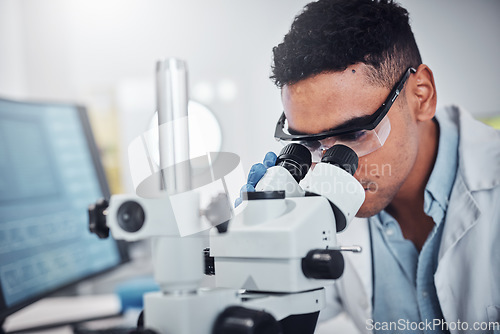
(101, 54)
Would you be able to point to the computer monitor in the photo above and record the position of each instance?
(50, 172)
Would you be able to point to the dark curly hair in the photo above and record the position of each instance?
(330, 35)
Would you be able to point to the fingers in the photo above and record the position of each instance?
(245, 188)
(256, 173)
(270, 159)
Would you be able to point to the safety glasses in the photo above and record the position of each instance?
(365, 136)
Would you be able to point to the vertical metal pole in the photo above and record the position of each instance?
(172, 107)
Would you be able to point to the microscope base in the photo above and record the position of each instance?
(188, 313)
(300, 324)
(197, 312)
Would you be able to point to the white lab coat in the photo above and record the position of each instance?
(467, 278)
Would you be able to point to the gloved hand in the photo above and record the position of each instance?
(255, 174)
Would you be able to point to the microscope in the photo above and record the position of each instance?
(271, 260)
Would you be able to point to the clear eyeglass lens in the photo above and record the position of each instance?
(362, 142)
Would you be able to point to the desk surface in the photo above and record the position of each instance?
(64, 309)
(57, 309)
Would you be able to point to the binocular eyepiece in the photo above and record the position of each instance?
(296, 158)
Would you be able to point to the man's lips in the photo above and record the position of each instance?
(368, 185)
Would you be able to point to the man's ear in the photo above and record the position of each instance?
(423, 91)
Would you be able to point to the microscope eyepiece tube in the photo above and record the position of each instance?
(343, 157)
(172, 107)
(295, 158)
(292, 165)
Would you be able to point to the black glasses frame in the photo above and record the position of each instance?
(370, 124)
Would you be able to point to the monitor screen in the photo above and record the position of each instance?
(50, 172)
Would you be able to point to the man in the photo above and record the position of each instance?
(350, 72)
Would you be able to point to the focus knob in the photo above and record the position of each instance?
(131, 216)
(323, 264)
(97, 218)
(240, 320)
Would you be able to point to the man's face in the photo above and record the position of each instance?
(329, 100)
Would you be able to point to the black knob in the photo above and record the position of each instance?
(257, 195)
(140, 327)
(343, 157)
(209, 262)
(131, 216)
(240, 320)
(296, 159)
(219, 212)
(323, 264)
(97, 218)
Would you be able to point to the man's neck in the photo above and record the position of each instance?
(407, 207)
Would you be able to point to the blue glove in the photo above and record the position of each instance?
(256, 173)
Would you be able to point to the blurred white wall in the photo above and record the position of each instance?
(12, 60)
(101, 53)
(460, 41)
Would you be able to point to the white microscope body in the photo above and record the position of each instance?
(266, 246)
(271, 264)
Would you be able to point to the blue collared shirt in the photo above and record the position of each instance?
(404, 290)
